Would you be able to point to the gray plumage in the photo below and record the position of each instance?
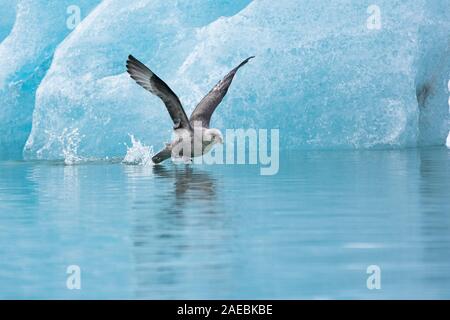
(151, 82)
(202, 112)
(162, 155)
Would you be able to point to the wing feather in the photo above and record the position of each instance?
(151, 82)
(204, 110)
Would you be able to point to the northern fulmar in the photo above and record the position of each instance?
(193, 137)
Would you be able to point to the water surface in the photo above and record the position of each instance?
(225, 231)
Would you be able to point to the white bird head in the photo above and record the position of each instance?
(214, 135)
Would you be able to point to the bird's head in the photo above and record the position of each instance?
(214, 135)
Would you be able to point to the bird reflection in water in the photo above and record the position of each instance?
(191, 186)
(181, 221)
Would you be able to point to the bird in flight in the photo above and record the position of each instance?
(193, 137)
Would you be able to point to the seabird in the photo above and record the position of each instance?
(192, 134)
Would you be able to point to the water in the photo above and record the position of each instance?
(182, 231)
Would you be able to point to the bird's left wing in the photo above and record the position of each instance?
(204, 110)
(151, 82)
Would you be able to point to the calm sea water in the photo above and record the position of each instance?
(178, 231)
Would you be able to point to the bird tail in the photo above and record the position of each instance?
(162, 155)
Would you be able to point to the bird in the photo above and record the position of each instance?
(193, 135)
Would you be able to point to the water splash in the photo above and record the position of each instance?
(138, 153)
(70, 140)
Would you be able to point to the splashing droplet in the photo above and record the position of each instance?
(138, 153)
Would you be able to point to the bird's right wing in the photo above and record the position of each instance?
(151, 82)
(204, 110)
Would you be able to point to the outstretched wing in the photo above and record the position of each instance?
(204, 110)
(151, 82)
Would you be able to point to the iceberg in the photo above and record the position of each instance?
(87, 90)
(7, 15)
(334, 75)
(433, 73)
(32, 29)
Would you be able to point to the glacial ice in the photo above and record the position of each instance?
(25, 56)
(433, 73)
(86, 87)
(322, 74)
(7, 17)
